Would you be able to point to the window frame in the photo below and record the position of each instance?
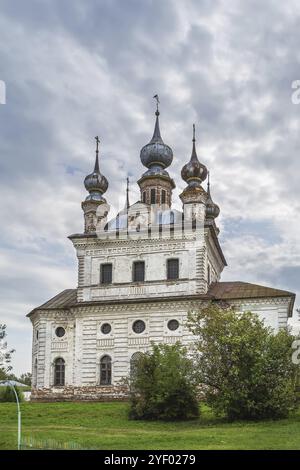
(173, 330)
(101, 274)
(135, 357)
(144, 326)
(59, 372)
(106, 323)
(152, 196)
(134, 264)
(106, 368)
(168, 269)
(60, 328)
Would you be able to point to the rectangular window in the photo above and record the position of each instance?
(163, 196)
(144, 197)
(153, 196)
(106, 273)
(173, 268)
(138, 271)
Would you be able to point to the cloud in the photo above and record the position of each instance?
(77, 69)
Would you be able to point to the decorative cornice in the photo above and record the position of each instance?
(174, 303)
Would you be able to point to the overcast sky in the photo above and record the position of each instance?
(74, 69)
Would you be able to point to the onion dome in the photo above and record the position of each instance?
(194, 172)
(156, 154)
(212, 209)
(95, 183)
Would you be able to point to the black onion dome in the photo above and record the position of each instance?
(212, 210)
(156, 152)
(194, 172)
(96, 183)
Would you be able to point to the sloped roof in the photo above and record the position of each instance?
(66, 298)
(234, 290)
(244, 290)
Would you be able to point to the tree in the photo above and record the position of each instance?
(26, 378)
(7, 394)
(162, 385)
(244, 367)
(5, 354)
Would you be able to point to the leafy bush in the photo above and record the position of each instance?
(246, 369)
(7, 394)
(162, 385)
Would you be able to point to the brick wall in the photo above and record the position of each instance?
(69, 393)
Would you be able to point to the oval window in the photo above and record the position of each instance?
(139, 326)
(173, 325)
(105, 328)
(60, 332)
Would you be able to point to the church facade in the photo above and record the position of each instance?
(139, 275)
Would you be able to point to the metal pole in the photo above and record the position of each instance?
(19, 415)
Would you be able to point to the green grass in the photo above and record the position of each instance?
(106, 426)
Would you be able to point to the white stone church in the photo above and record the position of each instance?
(139, 274)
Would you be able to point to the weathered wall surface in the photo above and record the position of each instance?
(69, 393)
(83, 344)
(195, 252)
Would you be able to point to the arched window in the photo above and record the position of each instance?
(59, 372)
(133, 362)
(153, 196)
(160, 221)
(172, 220)
(105, 370)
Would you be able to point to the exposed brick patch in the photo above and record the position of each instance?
(70, 393)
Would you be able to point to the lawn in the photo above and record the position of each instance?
(106, 426)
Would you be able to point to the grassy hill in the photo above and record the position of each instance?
(106, 426)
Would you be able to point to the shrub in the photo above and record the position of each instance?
(246, 368)
(162, 385)
(7, 394)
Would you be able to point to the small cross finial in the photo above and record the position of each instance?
(208, 182)
(127, 194)
(156, 97)
(96, 169)
(97, 144)
(194, 133)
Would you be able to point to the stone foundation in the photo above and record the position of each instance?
(70, 393)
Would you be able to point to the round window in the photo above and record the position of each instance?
(105, 328)
(173, 325)
(60, 332)
(139, 326)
